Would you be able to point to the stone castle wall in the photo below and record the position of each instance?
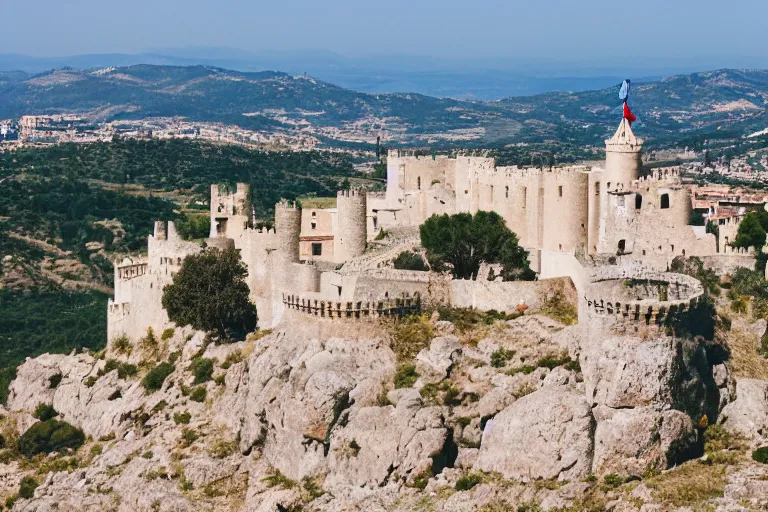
(640, 299)
(139, 285)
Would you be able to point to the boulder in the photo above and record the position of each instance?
(548, 434)
(747, 415)
(384, 444)
(633, 440)
(435, 364)
(665, 372)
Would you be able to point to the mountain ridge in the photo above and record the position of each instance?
(730, 99)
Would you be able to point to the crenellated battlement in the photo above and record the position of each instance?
(653, 299)
(360, 193)
(352, 310)
(287, 204)
(662, 174)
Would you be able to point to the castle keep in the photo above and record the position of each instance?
(573, 220)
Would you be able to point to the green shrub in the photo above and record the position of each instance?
(275, 478)
(182, 418)
(558, 308)
(408, 260)
(202, 370)
(54, 381)
(50, 436)
(10, 501)
(613, 480)
(27, 487)
(126, 370)
(233, 357)
(90, 381)
(410, 335)
(167, 334)
(154, 379)
(500, 357)
(189, 436)
(198, 394)
(761, 455)
(468, 481)
(553, 361)
(44, 412)
(405, 376)
(122, 345)
(525, 369)
(219, 380)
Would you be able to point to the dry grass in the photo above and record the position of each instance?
(745, 360)
(689, 484)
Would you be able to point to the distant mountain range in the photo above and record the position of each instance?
(733, 100)
(480, 78)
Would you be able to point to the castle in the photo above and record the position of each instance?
(573, 220)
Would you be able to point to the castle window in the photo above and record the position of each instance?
(608, 186)
(506, 191)
(673, 248)
(418, 182)
(638, 201)
(683, 252)
(664, 201)
(313, 224)
(597, 188)
(622, 246)
(317, 249)
(525, 196)
(560, 190)
(491, 192)
(314, 214)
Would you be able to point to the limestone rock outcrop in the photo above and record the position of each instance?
(748, 414)
(545, 435)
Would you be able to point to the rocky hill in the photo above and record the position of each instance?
(525, 414)
(701, 102)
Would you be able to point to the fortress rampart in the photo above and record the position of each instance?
(635, 299)
(352, 310)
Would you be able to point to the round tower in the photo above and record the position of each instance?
(288, 230)
(352, 226)
(622, 157)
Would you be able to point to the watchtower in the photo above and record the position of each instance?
(351, 234)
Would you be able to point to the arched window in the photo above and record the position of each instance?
(506, 191)
(418, 182)
(622, 246)
(638, 201)
(664, 201)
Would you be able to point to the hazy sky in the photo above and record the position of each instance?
(579, 30)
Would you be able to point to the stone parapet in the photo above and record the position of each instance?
(653, 299)
(352, 310)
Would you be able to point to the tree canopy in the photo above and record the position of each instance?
(210, 293)
(461, 242)
(752, 231)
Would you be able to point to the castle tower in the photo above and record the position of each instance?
(161, 231)
(607, 188)
(352, 228)
(229, 211)
(288, 230)
(622, 157)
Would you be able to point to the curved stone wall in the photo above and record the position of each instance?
(653, 299)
